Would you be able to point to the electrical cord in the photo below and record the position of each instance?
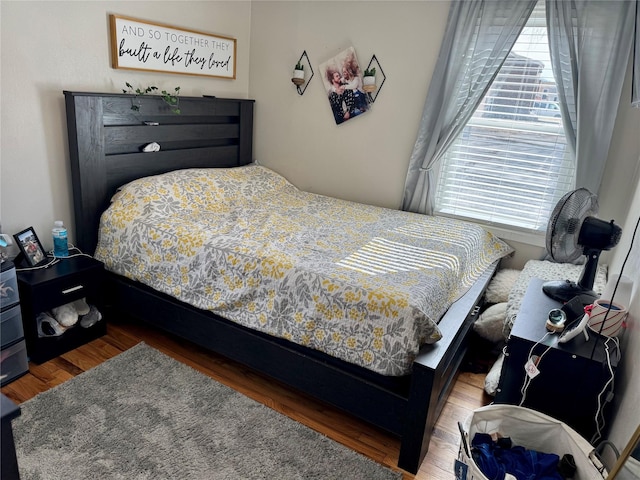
(72, 247)
(599, 418)
(527, 377)
(55, 259)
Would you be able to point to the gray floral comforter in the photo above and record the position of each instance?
(362, 283)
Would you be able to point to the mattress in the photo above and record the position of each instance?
(364, 284)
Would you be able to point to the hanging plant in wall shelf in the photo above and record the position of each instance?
(369, 80)
(298, 74)
(170, 98)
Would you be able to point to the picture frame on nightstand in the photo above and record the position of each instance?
(30, 247)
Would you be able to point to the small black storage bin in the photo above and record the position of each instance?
(14, 362)
(9, 283)
(11, 325)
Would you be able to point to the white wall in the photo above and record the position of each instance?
(628, 375)
(365, 159)
(51, 46)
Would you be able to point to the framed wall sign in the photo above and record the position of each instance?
(142, 45)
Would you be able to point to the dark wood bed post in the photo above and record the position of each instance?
(86, 152)
(434, 373)
(105, 140)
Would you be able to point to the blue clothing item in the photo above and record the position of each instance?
(495, 459)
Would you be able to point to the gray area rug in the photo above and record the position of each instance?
(143, 415)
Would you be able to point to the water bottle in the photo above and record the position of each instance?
(60, 245)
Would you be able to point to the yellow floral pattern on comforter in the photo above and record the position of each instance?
(364, 284)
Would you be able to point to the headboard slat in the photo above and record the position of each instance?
(128, 139)
(125, 168)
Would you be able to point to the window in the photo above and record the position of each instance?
(510, 165)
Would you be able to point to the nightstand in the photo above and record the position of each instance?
(43, 289)
(572, 375)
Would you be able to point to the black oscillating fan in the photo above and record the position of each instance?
(574, 231)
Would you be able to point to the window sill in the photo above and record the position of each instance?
(527, 238)
(532, 238)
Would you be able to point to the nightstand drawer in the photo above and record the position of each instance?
(64, 290)
(13, 363)
(8, 285)
(64, 282)
(11, 325)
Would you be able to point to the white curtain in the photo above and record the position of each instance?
(478, 38)
(590, 43)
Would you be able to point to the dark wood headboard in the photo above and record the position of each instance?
(106, 137)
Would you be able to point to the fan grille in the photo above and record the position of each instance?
(565, 222)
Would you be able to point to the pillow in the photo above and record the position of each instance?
(500, 286)
(493, 377)
(489, 325)
(199, 190)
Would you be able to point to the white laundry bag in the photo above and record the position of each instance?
(531, 430)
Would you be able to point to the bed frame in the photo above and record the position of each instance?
(105, 147)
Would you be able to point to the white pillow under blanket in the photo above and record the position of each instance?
(500, 286)
(493, 377)
(489, 325)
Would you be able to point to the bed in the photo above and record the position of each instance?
(209, 142)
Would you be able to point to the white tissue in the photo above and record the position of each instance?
(151, 147)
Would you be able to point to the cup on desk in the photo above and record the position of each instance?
(607, 318)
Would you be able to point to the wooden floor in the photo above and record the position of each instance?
(466, 396)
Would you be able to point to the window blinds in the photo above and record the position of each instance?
(510, 165)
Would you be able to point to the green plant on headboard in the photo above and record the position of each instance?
(170, 99)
